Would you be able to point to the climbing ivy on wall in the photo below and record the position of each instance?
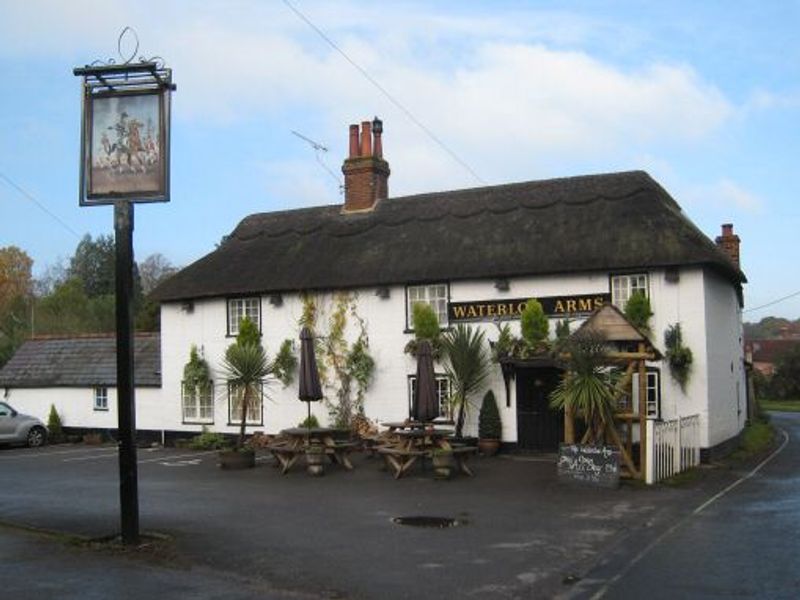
(345, 367)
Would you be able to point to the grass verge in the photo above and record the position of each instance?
(780, 405)
(757, 438)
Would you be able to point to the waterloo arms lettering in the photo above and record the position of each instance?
(554, 306)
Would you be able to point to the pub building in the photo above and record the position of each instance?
(475, 255)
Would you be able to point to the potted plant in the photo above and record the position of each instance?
(586, 388)
(426, 327)
(442, 459)
(245, 367)
(467, 365)
(490, 428)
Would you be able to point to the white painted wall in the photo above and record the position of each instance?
(705, 305)
(725, 361)
(75, 406)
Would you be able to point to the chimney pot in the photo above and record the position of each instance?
(377, 130)
(366, 138)
(353, 141)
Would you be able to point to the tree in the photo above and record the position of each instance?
(93, 265)
(16, 294)
(153, 270)
(467, 366)
(785, 382)
(15, 276)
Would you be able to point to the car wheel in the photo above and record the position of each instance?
(36, 437)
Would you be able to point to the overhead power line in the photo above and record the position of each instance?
(41, 206)
(773, 302)
(385, 92)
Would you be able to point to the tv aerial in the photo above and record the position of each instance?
(318, 150)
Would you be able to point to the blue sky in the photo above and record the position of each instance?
(705, 96)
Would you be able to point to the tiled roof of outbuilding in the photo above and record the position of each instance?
(80, 362)
(614, 221)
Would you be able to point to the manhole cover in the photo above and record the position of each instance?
(435, 522)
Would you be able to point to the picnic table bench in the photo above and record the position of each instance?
(460, 455)
(399, 460)
(293, 444)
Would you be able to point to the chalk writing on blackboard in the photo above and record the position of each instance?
(595, 465)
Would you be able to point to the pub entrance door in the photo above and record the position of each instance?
(539, 427)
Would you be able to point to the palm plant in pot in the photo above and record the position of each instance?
(490, 428)
(245, 367)
(467, 365)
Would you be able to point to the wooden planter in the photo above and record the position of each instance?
(315, 461)
(232, 460)
(443, 464)
(488, 447)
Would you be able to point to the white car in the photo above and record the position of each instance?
(16, 428)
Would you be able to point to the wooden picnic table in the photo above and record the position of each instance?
(410, 444)
(294, 442)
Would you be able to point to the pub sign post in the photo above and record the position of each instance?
(125, 130)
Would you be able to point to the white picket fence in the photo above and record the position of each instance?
(674, 446)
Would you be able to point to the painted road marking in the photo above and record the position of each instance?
(35, 454)
(181, 463)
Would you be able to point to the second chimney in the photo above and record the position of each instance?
(366, 174)
(729, 242)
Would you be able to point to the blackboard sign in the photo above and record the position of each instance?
(592, 465)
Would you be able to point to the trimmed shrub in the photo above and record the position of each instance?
(489, 425)
(534, 323)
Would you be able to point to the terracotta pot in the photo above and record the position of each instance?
(232, 460)
(488, 447)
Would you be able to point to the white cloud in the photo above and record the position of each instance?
(726, 194)
(767, 100)
(500, 90)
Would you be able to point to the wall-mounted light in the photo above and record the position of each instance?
(382, 292)
(502, 284)
(276, 300)
(187, 306)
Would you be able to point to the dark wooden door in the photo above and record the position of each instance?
(538, 426)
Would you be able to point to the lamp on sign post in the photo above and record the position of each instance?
(125, 160)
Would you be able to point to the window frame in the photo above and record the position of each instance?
(228, 301)
(630, 289)
(198, 406)
(249, 422)
(100, 392)
(443, 323)
(445, 407)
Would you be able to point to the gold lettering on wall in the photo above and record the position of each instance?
(554, 306)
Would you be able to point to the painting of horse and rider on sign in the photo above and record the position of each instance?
(126, 150)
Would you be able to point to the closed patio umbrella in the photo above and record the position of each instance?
(425, 406)
(310, 389)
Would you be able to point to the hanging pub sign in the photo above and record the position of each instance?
(554, 306)
(125, 132)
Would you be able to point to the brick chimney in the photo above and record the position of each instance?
(728, 242)
(366, 174)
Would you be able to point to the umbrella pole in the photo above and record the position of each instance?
(308, 426)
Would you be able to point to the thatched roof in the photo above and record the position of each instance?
(615, 221)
